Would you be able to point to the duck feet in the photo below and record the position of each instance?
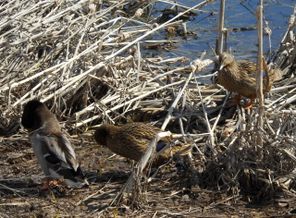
(44, 184)
(245, 103)
(234, 101)
(249, 104)
(53, 185)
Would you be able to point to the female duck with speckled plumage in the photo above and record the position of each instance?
(132, 139)
(240, 76)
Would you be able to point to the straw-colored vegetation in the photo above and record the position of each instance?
(91, 62)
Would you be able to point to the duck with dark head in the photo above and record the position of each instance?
(51, 147)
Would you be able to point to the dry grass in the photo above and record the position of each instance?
(87, 60)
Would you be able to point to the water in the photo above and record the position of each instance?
(242, 43)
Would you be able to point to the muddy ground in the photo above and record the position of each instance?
(167, 195)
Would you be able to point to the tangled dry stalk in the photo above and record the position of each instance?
(88, 60)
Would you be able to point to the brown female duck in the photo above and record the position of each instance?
(240, 76)
(131, 141)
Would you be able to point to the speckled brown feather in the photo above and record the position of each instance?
(240, 76)
(131, 140)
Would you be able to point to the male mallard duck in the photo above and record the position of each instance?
(131, 141)
(51, 147)
(240, 76)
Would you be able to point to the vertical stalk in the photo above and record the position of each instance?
(260, 73)
(219, 48)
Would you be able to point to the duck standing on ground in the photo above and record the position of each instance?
(131, 141)
(240, 76)
(51, 147)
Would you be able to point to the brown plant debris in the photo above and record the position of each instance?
(86, 60)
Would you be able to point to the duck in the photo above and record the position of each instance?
(52, 148)
(240, 76)
(132, 139)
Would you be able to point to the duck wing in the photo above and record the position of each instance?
(57, 157)
(248, 67)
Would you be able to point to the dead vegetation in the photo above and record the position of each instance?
(87, 60)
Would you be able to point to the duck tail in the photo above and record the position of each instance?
(266, 76)
(81, 176)
(273, 73)
(167, 151)
(74, 179)
(182, 149)
(176, 150)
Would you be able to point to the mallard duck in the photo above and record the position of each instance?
(51, 147)
(240, 76)
(131, 141)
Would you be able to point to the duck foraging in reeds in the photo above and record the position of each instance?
(240, 76)
(51, 147)
(131, 141)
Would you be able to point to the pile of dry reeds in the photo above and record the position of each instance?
(87, 60)
(268, 170)
(84, 57)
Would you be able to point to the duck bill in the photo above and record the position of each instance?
(221, 67)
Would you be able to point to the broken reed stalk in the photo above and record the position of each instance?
(196, 65)
(219, 48)
(130, 185)
(209, 128)
(260, 73)
(173, 106)
(126, 103)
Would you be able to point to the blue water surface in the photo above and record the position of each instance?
(238, 14)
